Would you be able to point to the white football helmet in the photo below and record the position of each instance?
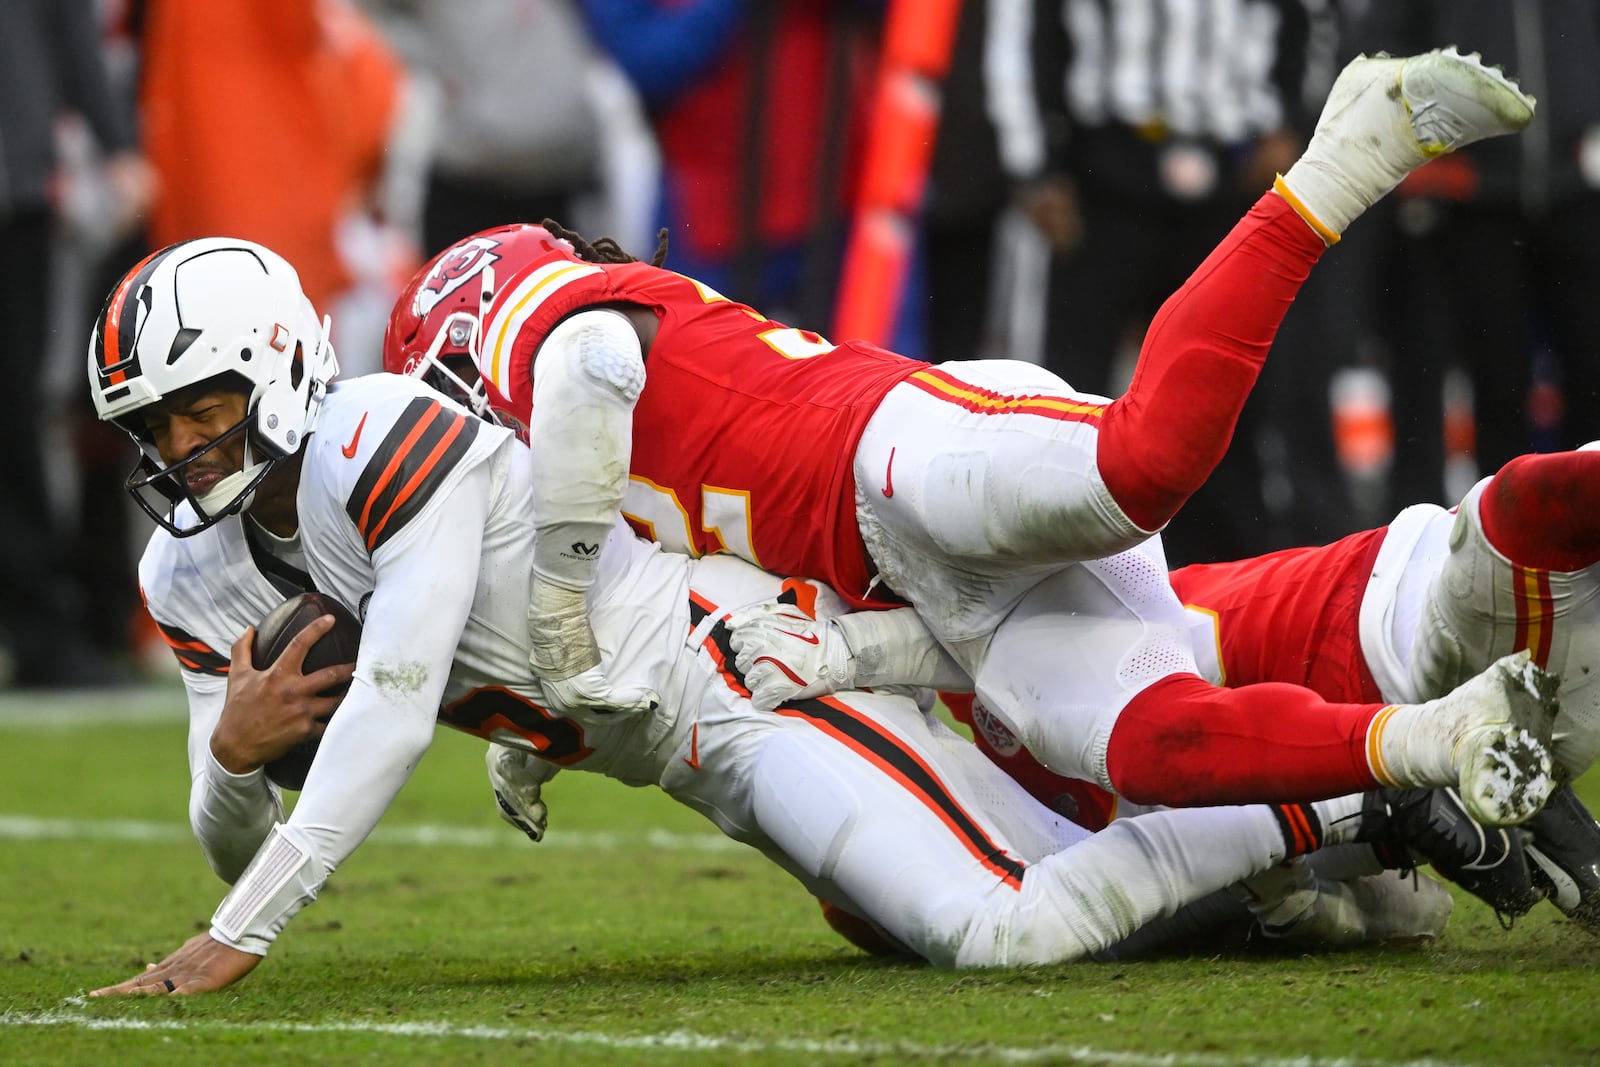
(217, 307)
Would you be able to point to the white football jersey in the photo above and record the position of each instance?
(393, 507)
(399, 482)
(203, 592)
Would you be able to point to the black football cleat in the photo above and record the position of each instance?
(1406, 826)
(1564, 857)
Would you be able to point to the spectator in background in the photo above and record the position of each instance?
(755, 170)
(1149, 135)
(1519, 331)
(517, 134)
(269, 121)
(50, 65)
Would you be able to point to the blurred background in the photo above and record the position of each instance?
(955, 179)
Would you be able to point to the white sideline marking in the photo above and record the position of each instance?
(685, 1040)
(132, 706)
(30, 828)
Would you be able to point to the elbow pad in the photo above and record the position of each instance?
(587, 378)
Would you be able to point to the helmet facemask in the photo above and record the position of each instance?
(159, 489)
(458, 340)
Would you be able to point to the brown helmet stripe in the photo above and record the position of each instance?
(116, 328)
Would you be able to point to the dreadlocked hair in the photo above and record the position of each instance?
(605, 249)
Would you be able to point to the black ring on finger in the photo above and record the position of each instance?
(168, 983)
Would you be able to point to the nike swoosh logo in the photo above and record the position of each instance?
(784, 667)
(809, 639)
(693, 758)
(888, 476)
(349, 450)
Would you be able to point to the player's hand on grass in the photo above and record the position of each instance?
(784, 654)
(517, 778)
(202, 965)
(268, 712)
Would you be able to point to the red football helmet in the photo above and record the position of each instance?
(436, 329)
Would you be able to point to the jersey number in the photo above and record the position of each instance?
(655, 512)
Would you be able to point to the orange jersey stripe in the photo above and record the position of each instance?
(395, 460)
(416, 479)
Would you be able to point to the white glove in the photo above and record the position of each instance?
(517, 778)
(590, 698)
(566, 659)
(786, 655)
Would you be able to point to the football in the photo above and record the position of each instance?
(338, 645)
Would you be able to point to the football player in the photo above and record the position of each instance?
(966, 489)
(1409, 609)
(1346, 904)
(1397, 613)
(264, 474)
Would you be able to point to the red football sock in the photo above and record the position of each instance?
(1162, 438)
(1183, 741)
(1543, 511)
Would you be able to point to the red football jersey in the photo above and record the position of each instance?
(745, 432)
(1291, 616)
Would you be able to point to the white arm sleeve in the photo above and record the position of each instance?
(895, 648)
(586, 380)
(426, 577)
(230, 814)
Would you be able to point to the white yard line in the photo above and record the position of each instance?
(32, 828)
(688, 1041)
(142, 704)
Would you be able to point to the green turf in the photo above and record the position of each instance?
(634, 935)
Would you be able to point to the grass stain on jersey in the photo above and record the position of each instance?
(400, 679)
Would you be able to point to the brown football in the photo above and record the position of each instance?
(338, 645)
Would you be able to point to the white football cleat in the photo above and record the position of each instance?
(1379, 909)
(1501, 752)
(1385, 117)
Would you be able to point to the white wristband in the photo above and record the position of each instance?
(895, 648)
(283, 878)
(561, 642)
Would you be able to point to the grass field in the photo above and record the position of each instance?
(635, 933)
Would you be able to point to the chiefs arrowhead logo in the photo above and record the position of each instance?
(455, 268)
(999, 736)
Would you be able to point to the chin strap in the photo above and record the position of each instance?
(233, 493)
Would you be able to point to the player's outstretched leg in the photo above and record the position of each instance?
(1491, 733)
(1384, 118)
(1387, 116)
